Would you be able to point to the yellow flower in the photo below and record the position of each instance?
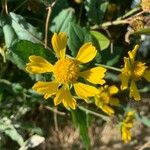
(133, 71)
(126, 126)
(66, 72)
(104, 99)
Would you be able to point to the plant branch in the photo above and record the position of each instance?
(109, 67)
(106, 118)
(47, 22)
(55, 110)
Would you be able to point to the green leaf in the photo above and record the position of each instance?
(21, 51)
(24, 30)
(7, 127)
(109, 58)
(61, 22)
(16, 28)
(144, 120)
(77, 37)
(101, 39)
(80, 121)
(95, 10)
(9, 35)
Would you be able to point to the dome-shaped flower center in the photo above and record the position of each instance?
(138, 70)
(66, 70)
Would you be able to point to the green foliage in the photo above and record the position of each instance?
(77, 37)
(61, 22)
(95, 10)
(8, 128)
(102, 41)
(16, 28)
(24, 118)
(20, 52)
(80, 121)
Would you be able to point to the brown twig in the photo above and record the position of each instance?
(47, 22)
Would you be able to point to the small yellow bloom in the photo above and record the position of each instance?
(104, 99)
(133, 71)
(66, 72)
(126, 126)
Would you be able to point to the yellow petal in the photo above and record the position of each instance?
(134, 91)
(46, 88)
(94, 75)
(64, 96)
(133, 53)
(124, 81)
(107, 109)
(113, 90)
(147, 75)
(84, 91)
(86, 53)
(59, 43)
(126, 135)
(38, 64)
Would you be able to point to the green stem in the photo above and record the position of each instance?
(129, 13)
(19, 6)
(80, 13)
(118, 21)
(106, 118)
(109, 67)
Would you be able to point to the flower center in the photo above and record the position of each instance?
(66, 70)
(135, 71)
(138, 70)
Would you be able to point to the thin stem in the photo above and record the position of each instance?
(80, 13)
(129, 13)
(106, 118)
(19, 6)
(6, 8)
(54, 110)
(118, 21)
(109, 67)
(55, 119)
(47, 22)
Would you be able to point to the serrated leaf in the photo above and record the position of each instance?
(21, 51)
(80, 121)
(16, 28)
(24, 30)
(95, 10)
(77, 37)
(61, 22)
(101, 39)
